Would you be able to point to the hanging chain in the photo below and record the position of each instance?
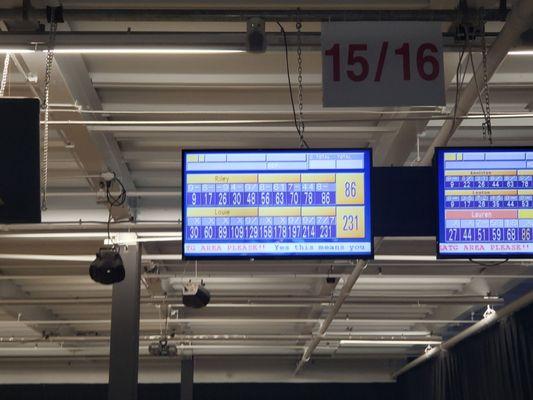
(487, 125)
(46, 107)
(301, 124)
(5, 75)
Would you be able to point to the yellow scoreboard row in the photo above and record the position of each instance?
(525, 214)
(489, 172)
(271, 178)
(489, 192)
(349, 188)
(350, 220)
(262, 212)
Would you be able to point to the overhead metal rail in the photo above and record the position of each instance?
(273, 300)
(236, 15)
(178, 339)
(250, 321)
(183, 40)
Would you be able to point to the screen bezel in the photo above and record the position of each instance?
(437, 166)
(369, 256)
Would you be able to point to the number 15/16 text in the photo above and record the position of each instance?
(358, 65)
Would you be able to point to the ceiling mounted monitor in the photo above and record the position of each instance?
(485, 198)
(19, 161)
(277, 204)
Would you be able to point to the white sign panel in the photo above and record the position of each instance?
(380, 64)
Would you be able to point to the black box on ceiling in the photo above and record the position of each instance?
(404, 201)
(19, 161)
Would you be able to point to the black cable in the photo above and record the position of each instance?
(483, 264)
(474, 73)
(121, 198)
(458, 84)
(484, 110)
(114, 201)
(300, 133)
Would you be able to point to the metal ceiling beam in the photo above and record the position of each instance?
(373, 278)
(395, 149)
(225, 337)
(324, 325)
(241, 15)
(78, 82)
(72, 84)
(519, 20)
(183, 40)
(85, 152)
(30, 311)
(8, 289)
(266, 301)
(249, 321)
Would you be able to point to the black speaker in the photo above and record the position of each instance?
(195, 296)
(108, 267)
(256, 41)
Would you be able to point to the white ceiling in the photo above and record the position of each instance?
(290, 299)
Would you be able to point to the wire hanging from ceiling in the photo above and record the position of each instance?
(114, 201)
(485, 108)
(298, 121)
(300, 80)
(46, 107)
(5, 73)
(487, 125)
(459, 81)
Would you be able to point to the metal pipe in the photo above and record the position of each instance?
(241, 15)
(84, 226)
(476, 328)
(214, 277)
(252, 321)
(246, 122)
(133, 193)
(345, 291)
(518, 21)
(218, 337)
(178, 257)
(91, 41)
(232, 301)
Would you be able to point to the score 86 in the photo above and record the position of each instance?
(350, 189)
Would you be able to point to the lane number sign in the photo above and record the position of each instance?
(369, 64)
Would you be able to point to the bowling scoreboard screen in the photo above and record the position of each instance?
(485, 202)
(277, 204)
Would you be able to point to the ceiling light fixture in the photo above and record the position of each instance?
(16, 51)
(178, 257)
(167, 122)
(117, 51)
(520, 53)
(142, 50)
(47, 257)
(389, 342)
(142, 236)
(381, 333)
